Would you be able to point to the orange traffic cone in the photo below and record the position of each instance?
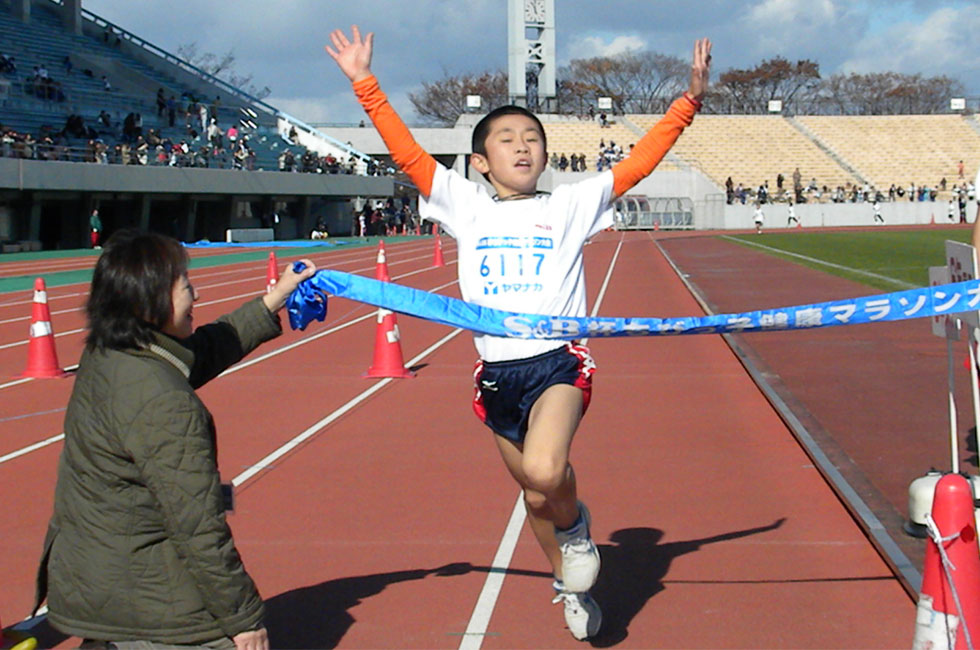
(948, 613)
(388, 361)
(381, 268)
(437, 256)
(42, 359)
(272, 272)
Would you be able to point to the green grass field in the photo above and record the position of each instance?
(885, 259)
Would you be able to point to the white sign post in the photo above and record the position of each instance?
(961, 259)
(949, 328)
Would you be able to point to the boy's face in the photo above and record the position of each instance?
(515, 155)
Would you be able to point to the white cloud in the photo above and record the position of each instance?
(941, 43)
(788, 27)
(592, 46)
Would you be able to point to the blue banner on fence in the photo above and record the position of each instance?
(309, 302)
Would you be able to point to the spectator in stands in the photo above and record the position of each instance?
(553, 161)
(171, 110)
(161, 102)
(603, 120)
(562, 162)
(729, 190)
(779, 182)
(942, 184)
(106, 86)
(202, 113)
(960, 169)
(7, 65)
(214, 134)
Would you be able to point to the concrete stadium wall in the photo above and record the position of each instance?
(34, 175)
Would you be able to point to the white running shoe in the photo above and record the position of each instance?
(579, 555)
(582, 614)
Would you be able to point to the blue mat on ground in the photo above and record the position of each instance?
(297, 243)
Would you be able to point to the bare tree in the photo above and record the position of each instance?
(749, 91)
(223, 67)
(888, 93)
(442, 102)
(636, 81)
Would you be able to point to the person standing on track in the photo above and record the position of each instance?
(138, 553)
(521, 250)
(758, 217)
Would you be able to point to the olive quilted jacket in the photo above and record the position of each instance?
(138, 546)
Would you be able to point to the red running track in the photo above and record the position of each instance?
(379, 527)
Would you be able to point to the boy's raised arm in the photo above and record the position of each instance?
(653, 146)
(353, 57)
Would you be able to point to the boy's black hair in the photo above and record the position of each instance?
(132, 289)
(482, 128)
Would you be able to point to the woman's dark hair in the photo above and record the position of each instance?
(482, 128)
(132, 288)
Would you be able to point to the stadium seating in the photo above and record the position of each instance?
(44, 41)
(900, 149)
(752, 149)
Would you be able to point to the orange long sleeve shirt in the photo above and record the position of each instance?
(420, 166)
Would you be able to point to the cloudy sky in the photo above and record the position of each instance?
(281, 43)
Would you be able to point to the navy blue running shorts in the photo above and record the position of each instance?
(505, 391)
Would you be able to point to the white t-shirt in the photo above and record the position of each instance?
(522, 255)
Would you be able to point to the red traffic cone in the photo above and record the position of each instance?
(272, 272)
(437, 256)
(381, 268)
(42, 359)
(388, 360)
(948, 612)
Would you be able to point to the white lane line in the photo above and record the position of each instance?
(311, 431)
(26, 450)
(814, 260)
(476, 629)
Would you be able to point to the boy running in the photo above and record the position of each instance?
(521, 250)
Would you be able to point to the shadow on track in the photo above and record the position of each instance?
(633, 570)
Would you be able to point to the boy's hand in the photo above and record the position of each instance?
(700, 68)
(352, 56)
